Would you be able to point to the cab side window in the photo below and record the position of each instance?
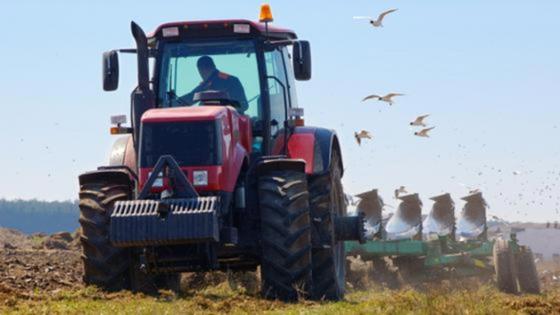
(291, 78)
(277, 91)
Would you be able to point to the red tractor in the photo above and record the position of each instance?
(219, 174)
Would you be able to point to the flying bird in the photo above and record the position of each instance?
(363, 134)
(419, 121)
(399, 191)
(377, 22)
(387, 98)
(424, 132)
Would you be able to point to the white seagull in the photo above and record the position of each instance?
(424, 132)
(379, 21)
(419, 121)
(387, 98)
(399, 191)
(363, 134)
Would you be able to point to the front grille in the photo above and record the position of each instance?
(194, 143)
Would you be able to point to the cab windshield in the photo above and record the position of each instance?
(235, 72)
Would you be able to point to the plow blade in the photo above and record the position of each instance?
(441, 220)
(406, 223)
(164, 222)
(371, 204)
(472, 221)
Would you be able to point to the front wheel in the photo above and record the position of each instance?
(105, 266)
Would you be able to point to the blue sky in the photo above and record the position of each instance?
(487, 72)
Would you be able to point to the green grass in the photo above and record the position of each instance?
(220, 299)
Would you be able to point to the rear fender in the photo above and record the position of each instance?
(315, 146)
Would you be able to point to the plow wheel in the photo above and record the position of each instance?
(527, 272)
(329, 263)
(504, 266)
(286, 235)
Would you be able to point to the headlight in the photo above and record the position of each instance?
(200, 178)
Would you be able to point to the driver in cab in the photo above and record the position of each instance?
(213, 79)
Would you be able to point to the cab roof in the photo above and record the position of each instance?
(212, 28)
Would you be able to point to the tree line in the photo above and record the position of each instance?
(33, 216)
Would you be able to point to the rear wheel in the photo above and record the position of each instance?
(504, 267)
(527, 272)
(285, 234)
(108, 267)
(327, 203)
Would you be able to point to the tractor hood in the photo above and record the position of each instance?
(178, 114)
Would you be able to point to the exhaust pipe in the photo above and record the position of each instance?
(406, 222)
(143, 97)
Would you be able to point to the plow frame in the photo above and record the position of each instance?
(468, 257)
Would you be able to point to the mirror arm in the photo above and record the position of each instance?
(271, 45)
(151, 52)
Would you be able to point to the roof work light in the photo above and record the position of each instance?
(266, 14)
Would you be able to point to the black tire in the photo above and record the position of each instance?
(329, 263)
(105, 266)
(285, 235)
(527, 275)
(504, 267)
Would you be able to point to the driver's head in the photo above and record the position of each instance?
(206, 66)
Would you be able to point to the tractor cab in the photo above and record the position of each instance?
(247, 65)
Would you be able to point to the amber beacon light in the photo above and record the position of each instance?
(266, 14)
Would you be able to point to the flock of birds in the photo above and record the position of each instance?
(542, 194)
(388, 98)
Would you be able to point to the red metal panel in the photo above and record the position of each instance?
(301, 146)
(220, 177)
(187, 113)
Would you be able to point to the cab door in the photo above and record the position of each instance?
(279, 97)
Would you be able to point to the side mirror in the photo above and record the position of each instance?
(110, 70)
(302, 60)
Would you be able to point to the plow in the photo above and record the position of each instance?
(434, 246)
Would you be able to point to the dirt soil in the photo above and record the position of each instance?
(38, 263)
(35, 266)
